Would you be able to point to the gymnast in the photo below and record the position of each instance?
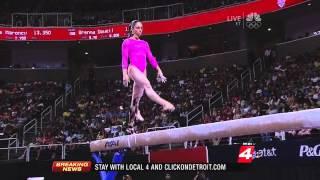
(137, 50)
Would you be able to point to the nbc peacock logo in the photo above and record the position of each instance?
(253, 21)
(281, 3)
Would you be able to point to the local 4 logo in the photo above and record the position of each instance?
(246, 154)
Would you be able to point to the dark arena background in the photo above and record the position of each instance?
(243, 75)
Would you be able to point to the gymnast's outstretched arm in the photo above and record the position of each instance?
(155, 65)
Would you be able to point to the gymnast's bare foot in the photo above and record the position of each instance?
(130, 130)
(168, 107)
(138, 116)
(131, 124)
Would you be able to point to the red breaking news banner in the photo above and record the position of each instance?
(71, 166)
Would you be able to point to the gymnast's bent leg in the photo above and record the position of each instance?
(137, 93)
(141, 80)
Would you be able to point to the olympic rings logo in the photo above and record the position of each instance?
(254, 24)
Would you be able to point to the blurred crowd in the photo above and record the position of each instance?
(291, 84)
(21, 102)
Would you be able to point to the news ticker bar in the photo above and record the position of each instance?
(160, 167)
(87, 166)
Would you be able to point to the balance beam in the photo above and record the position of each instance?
(262, 124)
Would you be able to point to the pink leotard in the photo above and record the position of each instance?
(137, 51)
